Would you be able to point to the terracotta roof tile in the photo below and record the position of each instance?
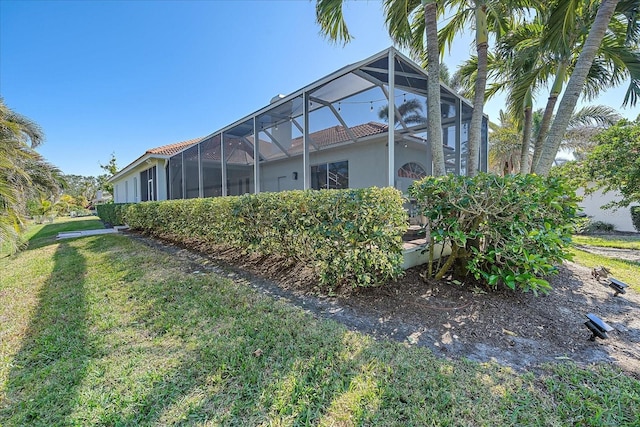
(171, 149)
(337, 134)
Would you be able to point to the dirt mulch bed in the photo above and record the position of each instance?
(458, 321)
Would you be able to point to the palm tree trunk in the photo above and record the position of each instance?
(526, 134)
(475, 127)
(434, 118)
(545, 124)
(575, 86)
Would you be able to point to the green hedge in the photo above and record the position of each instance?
(351, 237)
(635, 217)
(502, 230)
(112, 213)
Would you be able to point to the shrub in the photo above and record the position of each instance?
(351, 237)
(598, 227)
(502, 230)
(635, 217)
(112, 213)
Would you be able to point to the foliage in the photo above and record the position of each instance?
(505, 142)
(614, 164)
(111, 168)
(598, 227)
(351, 237)
(502, 230)
(635, 217)
(24, 174)
(112, 213)
(104, 331)
(81, 188)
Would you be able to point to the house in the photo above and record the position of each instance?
(592, 206)
(333, 133)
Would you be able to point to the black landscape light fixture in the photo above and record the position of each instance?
(598, 327)
(617, 286)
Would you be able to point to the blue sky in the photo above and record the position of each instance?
(104, 77)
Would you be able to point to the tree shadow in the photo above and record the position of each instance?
(48, 233)
(50, 365)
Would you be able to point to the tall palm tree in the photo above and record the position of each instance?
(484, 15)
(400, 19)
(23, 172)
(535, 53)
(583, 66)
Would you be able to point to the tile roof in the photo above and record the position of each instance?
(337, 134)
(171, 149)
(241, 152)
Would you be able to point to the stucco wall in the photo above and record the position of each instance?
(127, 189)
(367, 165)
(591, 206)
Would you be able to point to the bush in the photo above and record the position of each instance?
(351, 237)
(598, 227)
(502, 230)
(112, 213)
(635, 217)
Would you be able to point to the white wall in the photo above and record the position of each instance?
(127, 189)
(367, 168)
(591, 206)
(367, 165)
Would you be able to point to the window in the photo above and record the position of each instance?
(412, 170)
(135, 189)
(330, 175)
(147, 181)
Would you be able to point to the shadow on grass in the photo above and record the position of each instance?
(41, 386)
(46, 234)
(211, 351)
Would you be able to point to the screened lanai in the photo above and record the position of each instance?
(333, 133)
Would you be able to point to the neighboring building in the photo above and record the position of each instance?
(592, 207)
(326, 135)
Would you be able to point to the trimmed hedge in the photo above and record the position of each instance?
(351, 237)
(635, 217)
(112, 213)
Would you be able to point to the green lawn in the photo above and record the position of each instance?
(102, 330)
(627, 271)
(622, 242)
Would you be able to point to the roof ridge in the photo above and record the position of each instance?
(157, 150)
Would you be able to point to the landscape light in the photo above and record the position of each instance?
(617, 286)
(598, 327)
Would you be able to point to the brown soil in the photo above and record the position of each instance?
(458, 321)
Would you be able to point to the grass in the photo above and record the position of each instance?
(627, 271)
(102, 330)
(43, 234)
(621, 242)
(624, 270)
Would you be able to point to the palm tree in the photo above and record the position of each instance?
(584, 125)
(400, 17)
(410, 111)
(533, 53)
(582, 69)
(504, 145)
(23, 172)
(506, 138)
(468, 13)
